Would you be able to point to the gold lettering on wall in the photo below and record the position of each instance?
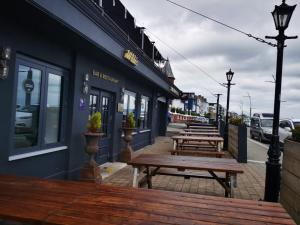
(131, 57)
(105, 76)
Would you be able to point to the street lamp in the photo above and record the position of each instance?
(249, 96)
(229, 76)
(217, 111)
(282, 15)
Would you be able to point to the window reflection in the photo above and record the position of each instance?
(53, 109)
(129, 104)
(144, 112)
(28, 106)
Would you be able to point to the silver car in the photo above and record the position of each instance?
(285, 128)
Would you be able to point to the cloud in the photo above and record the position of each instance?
(215, 49)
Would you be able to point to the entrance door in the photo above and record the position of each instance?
(102, 101)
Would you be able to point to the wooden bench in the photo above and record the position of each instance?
(198, 153)
(186, 174)
(196, 146)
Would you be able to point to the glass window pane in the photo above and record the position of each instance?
(144, 112)
(28, 107)
(131, 107)
(53, 109)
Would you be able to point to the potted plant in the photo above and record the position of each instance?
(91, 170)
(128, 128)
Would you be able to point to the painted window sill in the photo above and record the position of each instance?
(36, 153)
(144, 131)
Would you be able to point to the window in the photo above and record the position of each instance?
(144, 112)
(129, 104)
(38, 113)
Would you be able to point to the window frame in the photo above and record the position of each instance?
(147, 127)
(135, 95)
(45, 69)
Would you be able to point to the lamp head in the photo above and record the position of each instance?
(229, 75)
(282, 15)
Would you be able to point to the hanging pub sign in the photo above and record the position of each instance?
(28, 85)
(130, 57)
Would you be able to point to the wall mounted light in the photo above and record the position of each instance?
(5, 53)
(85, 86)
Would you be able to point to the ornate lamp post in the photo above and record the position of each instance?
(282, 15)
(229, 76)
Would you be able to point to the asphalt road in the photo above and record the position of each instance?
(257, 151)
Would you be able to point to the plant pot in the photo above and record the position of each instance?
(127, 153)
(91, 170)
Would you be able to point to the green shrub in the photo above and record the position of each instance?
(94, 123)
(130, 122)
(236, 121)
(296, 134)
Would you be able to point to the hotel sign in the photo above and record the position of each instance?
(105, 77)
(130, 57)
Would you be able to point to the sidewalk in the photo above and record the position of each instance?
(250, 183)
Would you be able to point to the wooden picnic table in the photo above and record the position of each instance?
(38, 201)
(210, 134)
(213, 141)
(212, 165)
(201, 130)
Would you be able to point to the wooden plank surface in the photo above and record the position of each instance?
(187, 162)
(201, 130)
(203, 127)
(196, 138)
(104, 204)
(199, 133)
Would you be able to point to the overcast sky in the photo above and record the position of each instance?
(215, 49)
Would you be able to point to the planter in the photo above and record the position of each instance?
(290, 179)
(127, 153)
(237, 142)
(91, 170)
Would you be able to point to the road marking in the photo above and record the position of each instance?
(255, 161)
(260, 144)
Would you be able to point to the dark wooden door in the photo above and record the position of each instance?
(102, 101)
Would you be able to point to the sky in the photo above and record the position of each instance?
(215, 49)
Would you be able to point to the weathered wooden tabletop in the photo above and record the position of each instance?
(203, 127)
(31, 200)
(201, 130)
(199, 133)
(187, 162)
(197, 138)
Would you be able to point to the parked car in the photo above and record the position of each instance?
(285, 128)
(261, 126)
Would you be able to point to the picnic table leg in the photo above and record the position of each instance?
(135, 177)
(149, 178)
(227, 183)
(174, 144)
(232, 184)
(219, 146)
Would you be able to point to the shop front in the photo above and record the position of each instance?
(63, 66)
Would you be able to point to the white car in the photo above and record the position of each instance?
(23, 119)
(285, 128)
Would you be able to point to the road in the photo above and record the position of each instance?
(257, 151)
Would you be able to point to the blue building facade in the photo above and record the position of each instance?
(68, 59)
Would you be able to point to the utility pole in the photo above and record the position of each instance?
(250, 111)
